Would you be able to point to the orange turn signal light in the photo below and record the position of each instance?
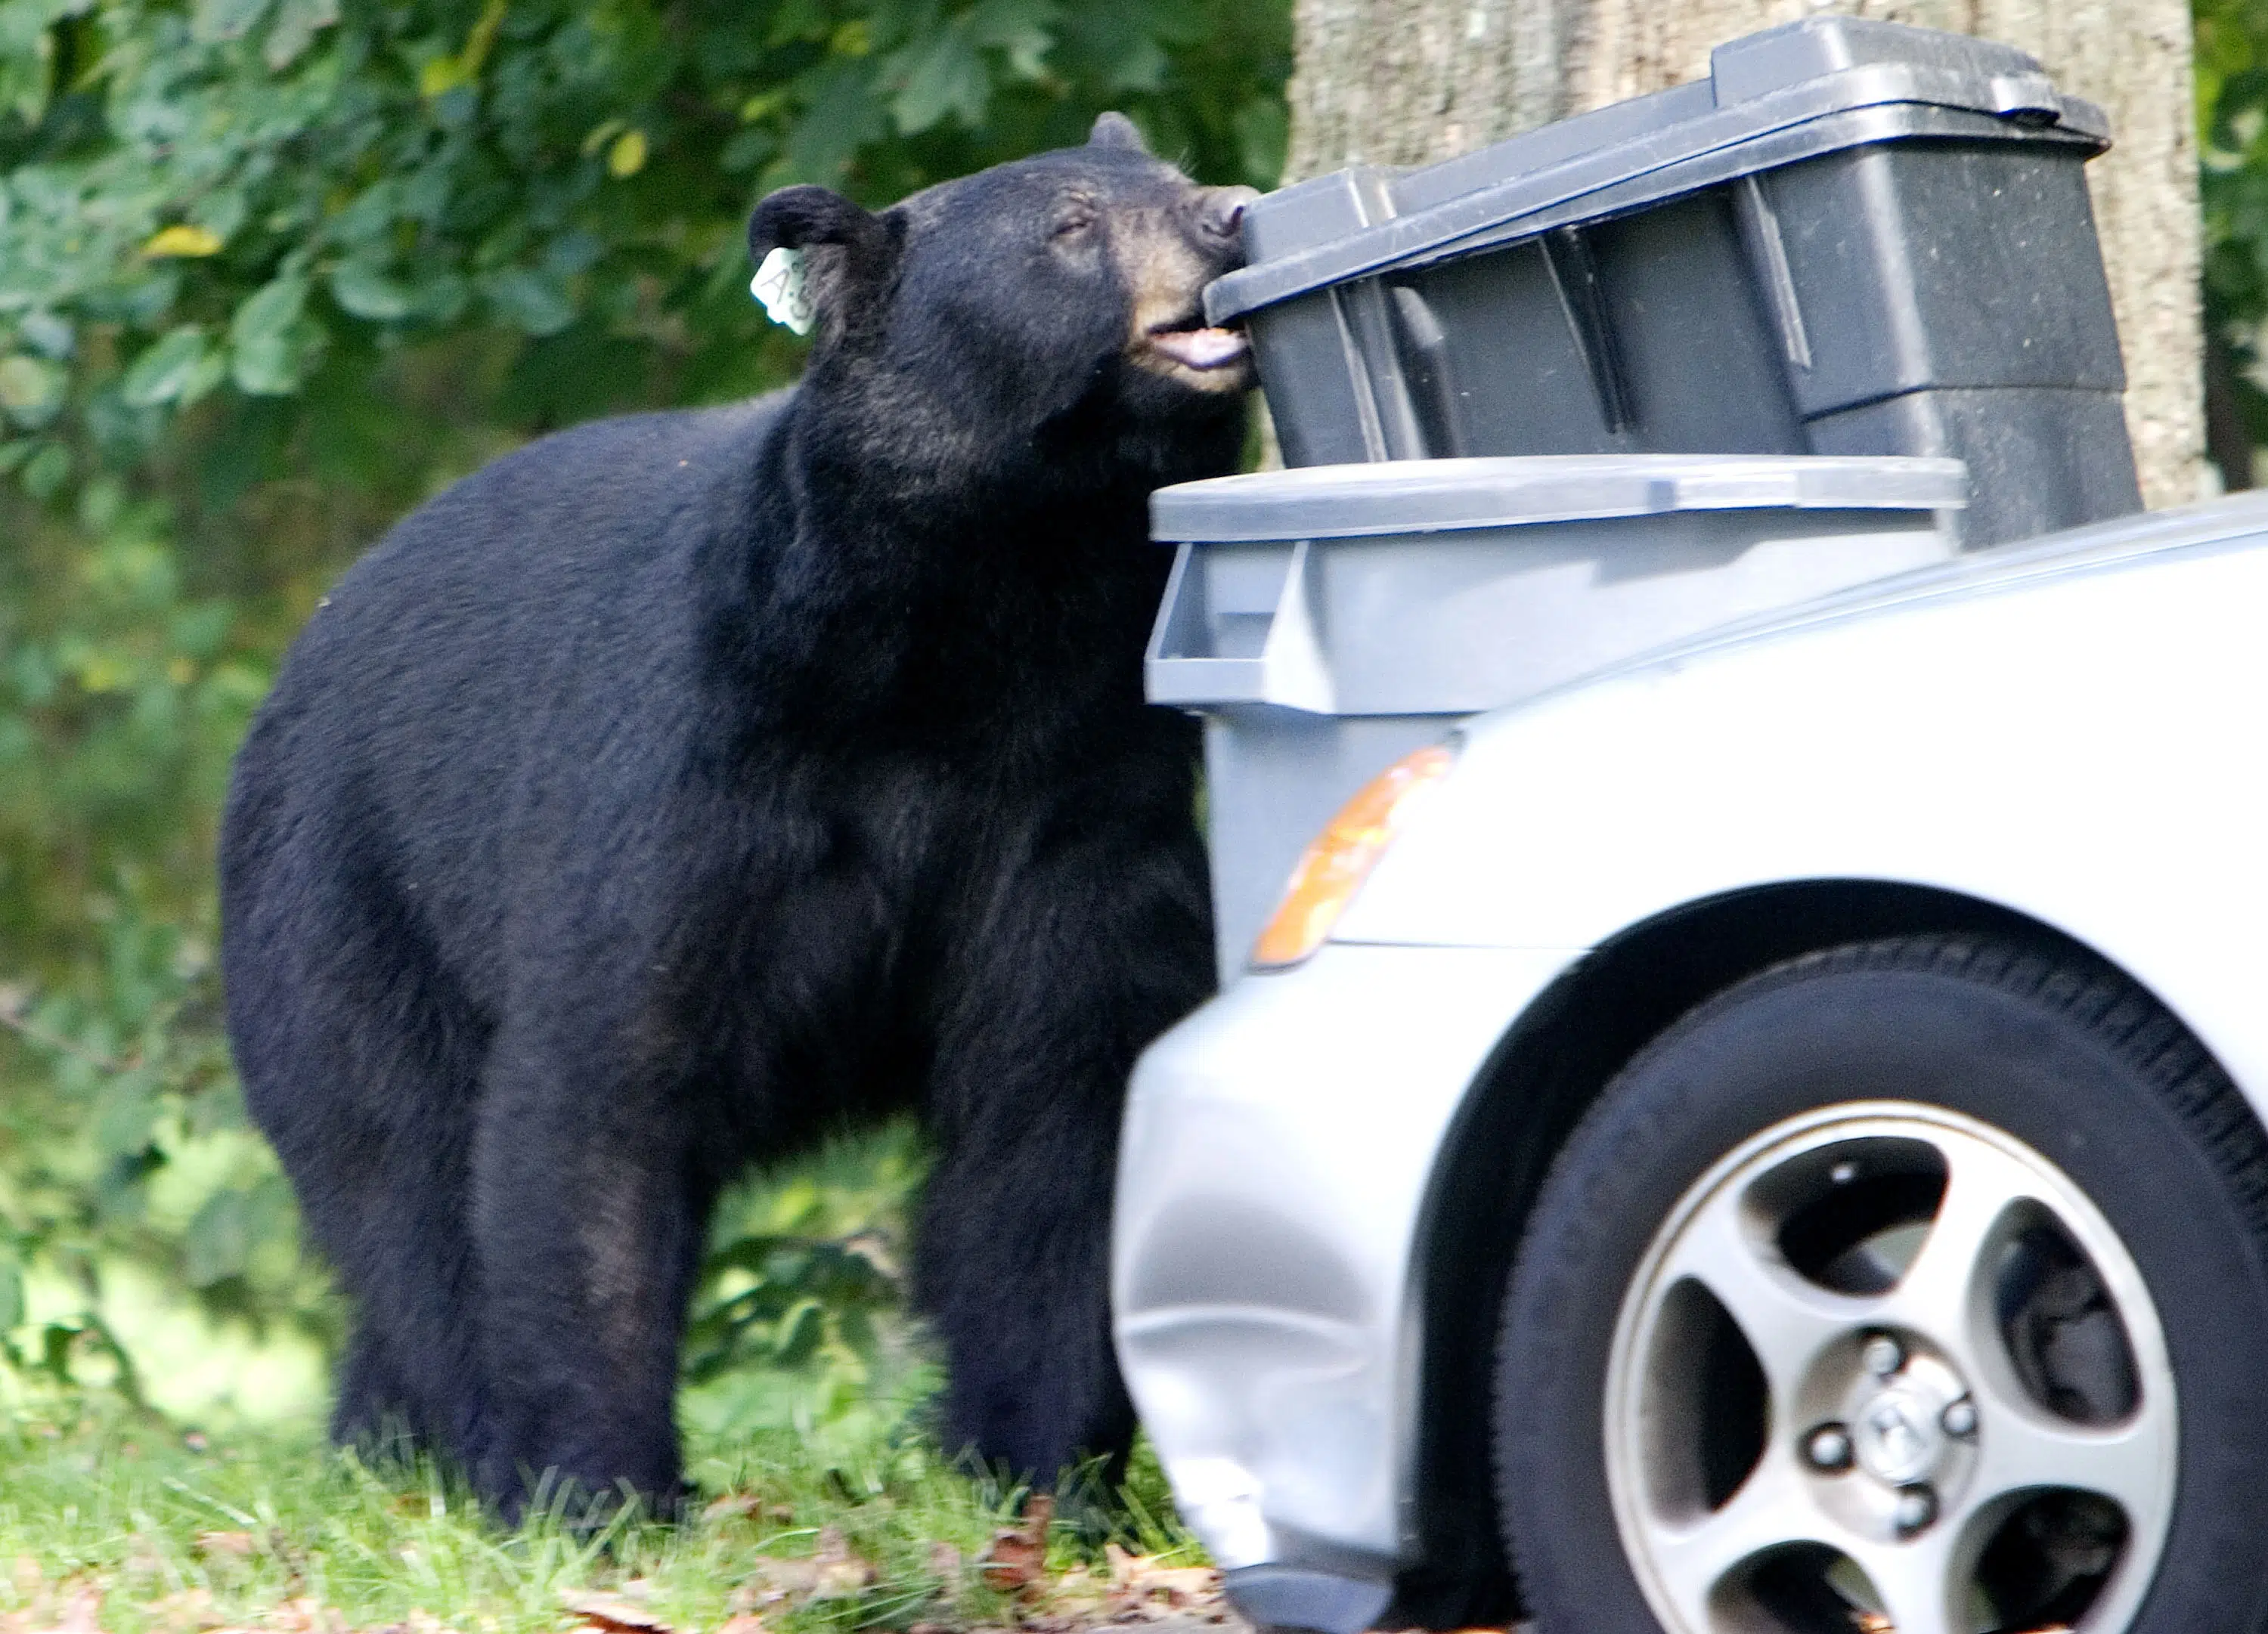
(1340, 858)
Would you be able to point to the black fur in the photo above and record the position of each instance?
(681, 787)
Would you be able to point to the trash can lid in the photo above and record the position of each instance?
(1432, 496)
(1771, 98)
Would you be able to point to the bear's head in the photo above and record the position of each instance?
(1047, 304)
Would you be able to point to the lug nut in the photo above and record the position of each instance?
(1959, 1418)
(1828, 1447)
(1883, 1356)
(1916, 1508)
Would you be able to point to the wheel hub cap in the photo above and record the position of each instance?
(1897, 1439)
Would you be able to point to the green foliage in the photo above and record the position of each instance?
(800, 1322)
(271, 272)
(2232, 101)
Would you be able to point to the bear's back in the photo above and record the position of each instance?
(536, 621)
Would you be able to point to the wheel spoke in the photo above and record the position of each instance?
(1937, 1295)
(2021, 1448)
(1923, 1581)
(1767, 1511)
(1785, 1320)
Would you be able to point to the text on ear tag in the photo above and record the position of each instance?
(779, 284)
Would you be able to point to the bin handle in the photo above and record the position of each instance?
(2029, 99)
(1290, 671)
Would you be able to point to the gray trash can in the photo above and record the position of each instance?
(1853, 238)
(1327, 620)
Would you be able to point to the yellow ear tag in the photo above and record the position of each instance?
(779, 284)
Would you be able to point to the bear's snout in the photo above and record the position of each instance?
(1167, 258)
(1220, 218)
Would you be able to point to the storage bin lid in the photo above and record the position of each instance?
(1771, 98)
(1432, 495)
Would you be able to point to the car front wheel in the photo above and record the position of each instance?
(1918, 1285)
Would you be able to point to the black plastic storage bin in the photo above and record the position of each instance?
(1853, 238)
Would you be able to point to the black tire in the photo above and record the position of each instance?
(2048, 1047)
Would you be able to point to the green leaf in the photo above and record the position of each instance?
(166, 371)
(48, 334)
(47, 471)
(12, 1296)
(298, 22)
(26, 58)
(363, 289)
(31, 390)
(226, 19)
(1023, 29)
(273, 344)
(946, 75)
(844, 115)
(1263, 130)
(529, 301)
(219, 1245)
(125, 1115)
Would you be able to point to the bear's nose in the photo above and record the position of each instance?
(1221, 211)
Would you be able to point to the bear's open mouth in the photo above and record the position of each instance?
(1191, 343)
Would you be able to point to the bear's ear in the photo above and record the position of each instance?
(796, 218)
(852, 252)
(1116, 131)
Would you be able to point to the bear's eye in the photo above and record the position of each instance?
(1075, 220)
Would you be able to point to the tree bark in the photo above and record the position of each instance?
(1403, 82)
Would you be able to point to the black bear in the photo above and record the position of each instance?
(683, 786)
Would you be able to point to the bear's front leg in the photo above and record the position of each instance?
(590, 1201)
(1083, 959)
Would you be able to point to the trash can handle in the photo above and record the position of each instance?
(2029, 98)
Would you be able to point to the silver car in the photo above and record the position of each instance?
(1767, 1137)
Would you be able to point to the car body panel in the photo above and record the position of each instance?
(1261, 1259)
(2065, 728)
(2077, 748)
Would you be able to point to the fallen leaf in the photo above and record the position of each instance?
(733, 1504)
(840, 1573)
(240, 1545)
(1017, 1558)
(944, 1562)
(1179, 1584)
(304, 1616)
(613, 1612)
(1079, 1594)
(775, 1580)
(187, 1611)
(1142, 1587)
(82, 1612)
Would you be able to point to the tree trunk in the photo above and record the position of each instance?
(1401, 82)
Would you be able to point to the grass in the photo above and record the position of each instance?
(822, 1508)
(118, 1523)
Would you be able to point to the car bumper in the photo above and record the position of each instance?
(1279, 1146)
